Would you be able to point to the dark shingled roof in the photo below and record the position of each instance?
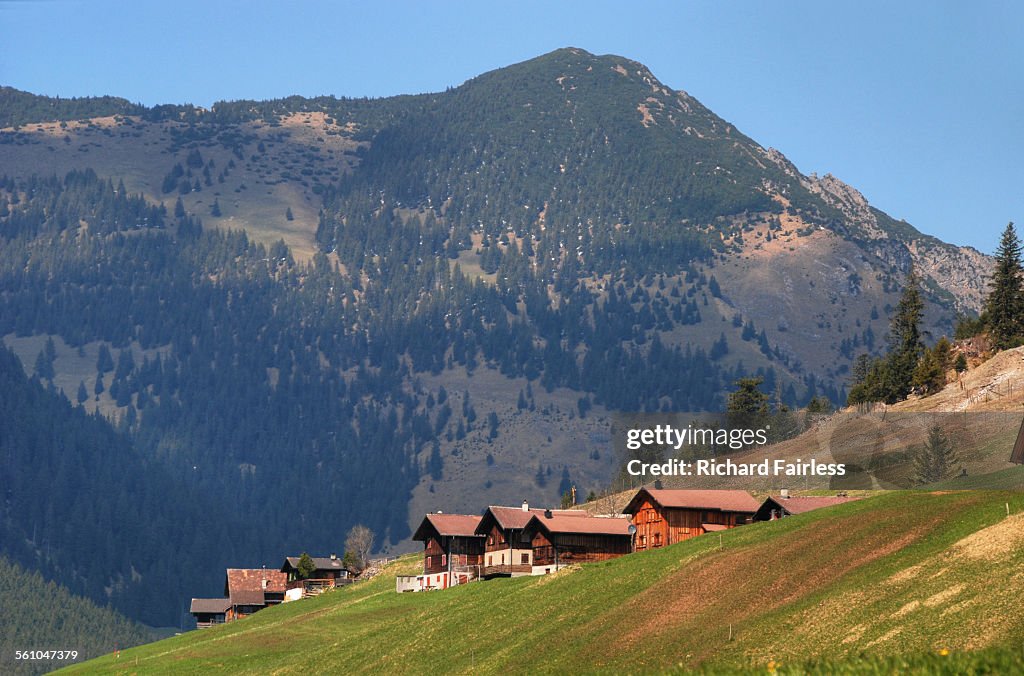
(248, 597)
(210, 606)
(724, 501)
(321, 563)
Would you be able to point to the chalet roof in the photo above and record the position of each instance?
(801, 504)
(210, 606)
(454, 525)
(713, 527)
(579, 523)
(321, 563)
(723, 501)
(248, 597)
(243, 580)
(516, 517)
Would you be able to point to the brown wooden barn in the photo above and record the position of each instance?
(665, 516)
(561, 539)
(452, 552)
(778, 506)
(251, 589)
(507, 552)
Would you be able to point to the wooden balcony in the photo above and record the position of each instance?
(314, 586)
(507, 569)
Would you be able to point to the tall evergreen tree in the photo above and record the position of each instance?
(905, 344)
(1005, 302)
(748, 399)
(936, 459)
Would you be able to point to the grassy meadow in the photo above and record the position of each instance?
(925, 581)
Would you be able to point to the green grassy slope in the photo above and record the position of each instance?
(901, 574)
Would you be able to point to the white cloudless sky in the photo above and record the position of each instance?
(919, 105)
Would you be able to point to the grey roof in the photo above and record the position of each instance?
(321, 563)
(210, 606)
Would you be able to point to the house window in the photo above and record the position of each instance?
(444, 559)
(525, 558)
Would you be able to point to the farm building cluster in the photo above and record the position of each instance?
(247, 590)
(514, 541)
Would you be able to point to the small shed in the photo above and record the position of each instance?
(209, 612)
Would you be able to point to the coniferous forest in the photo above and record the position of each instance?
(274, 365)
(532, 223)
(39, 613)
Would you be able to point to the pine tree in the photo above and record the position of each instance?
(104, 362)
(1005, 302)
(44, 367)
(960, 364)
(435, 465)
(748, 398)
(905, 345)
(936, 458)
(306, 567)
(929, 376)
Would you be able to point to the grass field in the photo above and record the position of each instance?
(902, 581)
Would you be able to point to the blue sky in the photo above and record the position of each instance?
(917, 104)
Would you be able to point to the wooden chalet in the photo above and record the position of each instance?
(507, 552)
(249, 590)
(208, 612)
(1017, 454)
(778, 506)
(665, 516)
(330, 572)
(452, 552)
(561, 539)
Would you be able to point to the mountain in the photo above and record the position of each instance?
(908, 582)
(439, 300)
(18, 107)
(37, 615)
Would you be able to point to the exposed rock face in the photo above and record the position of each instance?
(961, 271)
